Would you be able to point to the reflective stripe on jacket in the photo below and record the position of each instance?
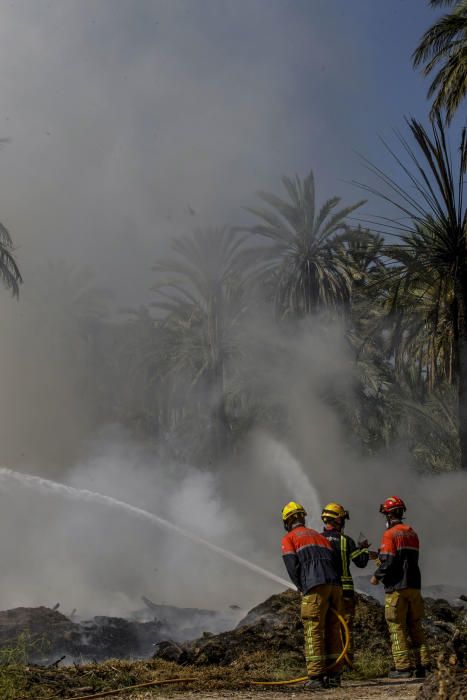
(347, 551)
(309, 559)
(398, 556)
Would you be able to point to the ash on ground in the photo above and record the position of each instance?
(47, 635)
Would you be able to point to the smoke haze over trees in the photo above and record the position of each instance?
(200, 331)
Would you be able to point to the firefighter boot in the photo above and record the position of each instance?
(400, 674)
(316, 683)
(335, 679)
(422, 671)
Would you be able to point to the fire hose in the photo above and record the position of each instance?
(191, 679)
(342, 655)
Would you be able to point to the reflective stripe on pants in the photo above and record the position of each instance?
(404, 612)
(321, 627)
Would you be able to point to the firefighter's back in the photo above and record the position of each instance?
(315, 556)
(401, 543)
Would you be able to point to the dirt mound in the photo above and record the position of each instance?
(34, 620)
(266, 645)
(47, 634)
(275, 625)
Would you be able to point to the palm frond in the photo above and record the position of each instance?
(443, 47)
(304, 251)
(9, 270)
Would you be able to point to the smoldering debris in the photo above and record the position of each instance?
(48, 635)
(223, 660)
(275, 624)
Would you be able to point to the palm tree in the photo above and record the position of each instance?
(306, 255)
(9, 270)
(422, 304)
(434, 428)
(363, 252)
(429, 264)
(200, 291)
(443, 48)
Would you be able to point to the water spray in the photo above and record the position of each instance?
(55, 487)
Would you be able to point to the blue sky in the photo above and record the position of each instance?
(122, 114)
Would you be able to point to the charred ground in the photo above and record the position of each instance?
(265, 645)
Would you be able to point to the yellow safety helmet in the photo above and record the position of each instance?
(291, 509)
(334, 510)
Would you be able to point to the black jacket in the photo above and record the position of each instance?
(309, 559)
(398, 556)
(347, 551)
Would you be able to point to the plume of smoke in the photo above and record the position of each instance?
(97, 560)
(96, 166)
(315, 360)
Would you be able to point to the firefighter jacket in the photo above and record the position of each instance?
(398, 556)
(309, 559)
(347, 551)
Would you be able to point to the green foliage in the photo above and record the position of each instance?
(433, 430)
(189, 374)
(368, 664)
(9, 270)
(443, 51)
(13, 660)
(424, 284)
(305, 254)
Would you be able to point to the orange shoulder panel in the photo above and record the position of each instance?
(287, 544)
(306, 536)
(405, 537)
(388, 545)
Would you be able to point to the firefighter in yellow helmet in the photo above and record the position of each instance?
(311, 564)
(334, 517)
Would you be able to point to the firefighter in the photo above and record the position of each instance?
(334, 517)
(399, 572)
(311, 564)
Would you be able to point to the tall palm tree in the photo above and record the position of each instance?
(306, 254)
(200, 292)
(9, 270)
(430, 259)
(443, 51)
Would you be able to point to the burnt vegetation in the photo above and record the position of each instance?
(265, 645)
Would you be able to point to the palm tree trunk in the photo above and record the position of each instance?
(461, 294)
(455, 339)
(220, 426)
